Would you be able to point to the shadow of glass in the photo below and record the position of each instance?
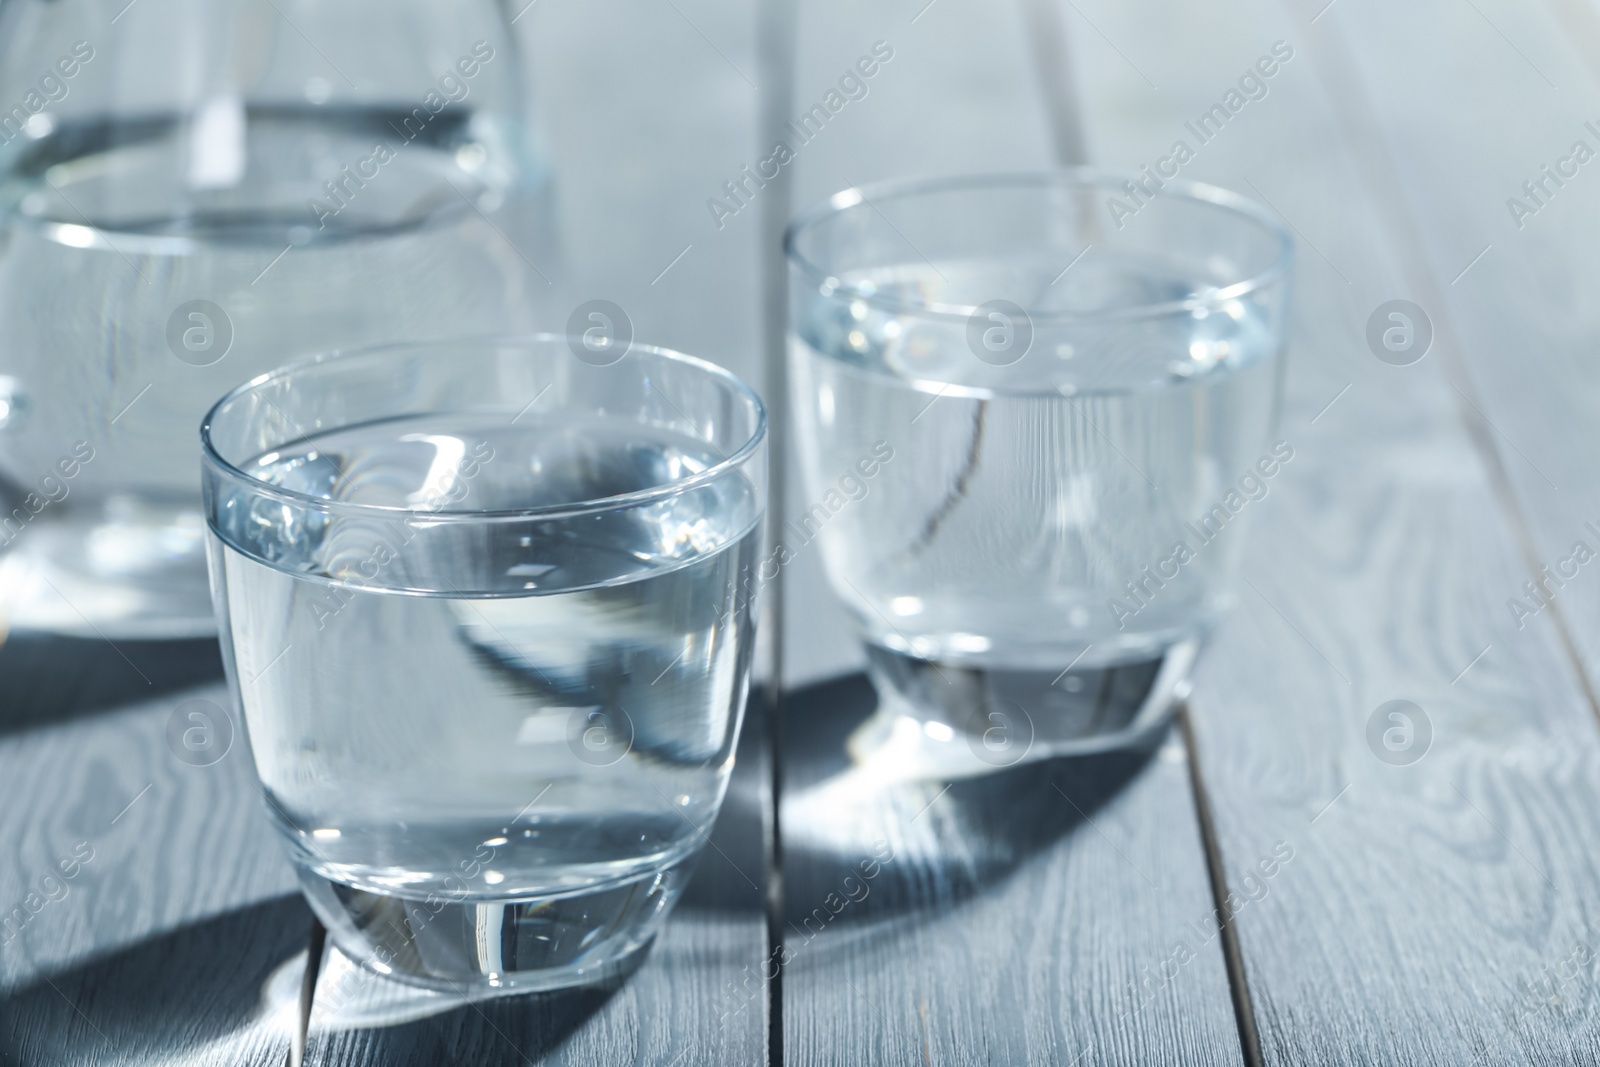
(360, 1017)
(939, 841)
(53, 679)
(227, 990)
(193, 995)
(730, 872)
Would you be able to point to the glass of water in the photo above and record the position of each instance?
(1034, 412)
(194, 194)
(486, 606)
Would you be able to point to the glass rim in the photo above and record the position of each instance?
(1085, 177)
(93, 237)
(730, 462)
(89, 235)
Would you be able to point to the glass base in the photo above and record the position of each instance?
(129, 569)
(484, 947)
(954, 719)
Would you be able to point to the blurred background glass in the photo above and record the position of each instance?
(1023, 424)
(192, 193)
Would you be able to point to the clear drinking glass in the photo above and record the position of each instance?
(193, 193)
(1033, 413)
(486, 608)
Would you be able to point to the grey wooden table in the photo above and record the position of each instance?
(1444, 911)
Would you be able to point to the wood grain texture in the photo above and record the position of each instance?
(1439, 911)
(698, 996)
(1521, 325)
(179, 905)
(1050, 913)
(1425, 900)
(214, 991)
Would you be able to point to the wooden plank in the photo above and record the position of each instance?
(1434, 903)
(144, 901)
(1509, 272)
(1054, 913)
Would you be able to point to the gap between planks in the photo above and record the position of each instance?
(316, 943)
(1232, 956)
(776, 48)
